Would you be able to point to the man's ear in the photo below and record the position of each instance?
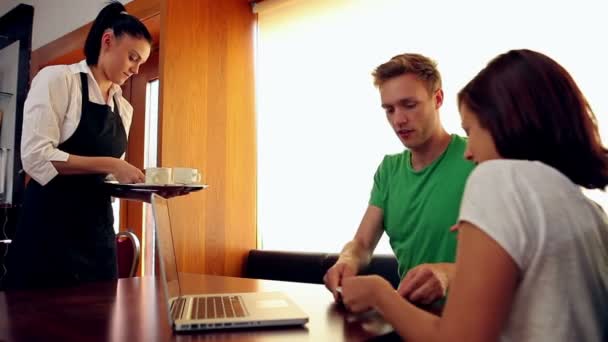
(438, 98)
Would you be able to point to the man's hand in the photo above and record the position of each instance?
(425, 283)
(335, 274)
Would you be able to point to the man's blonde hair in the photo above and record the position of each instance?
(423, 67)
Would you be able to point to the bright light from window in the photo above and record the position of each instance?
(151, 130)
(321, 131)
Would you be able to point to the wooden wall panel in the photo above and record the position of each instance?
(208, 122)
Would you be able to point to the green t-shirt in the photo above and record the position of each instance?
(420, 206)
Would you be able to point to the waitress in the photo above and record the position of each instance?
(74, 134)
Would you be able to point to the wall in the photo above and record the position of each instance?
(7, 5)
(54, 18)
(208, 122)
(15, 26)
(9, 59)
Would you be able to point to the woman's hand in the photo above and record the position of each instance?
(361, 293)
(126, 173)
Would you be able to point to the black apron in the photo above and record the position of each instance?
(65, 235)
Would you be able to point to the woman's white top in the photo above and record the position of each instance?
(559, 240)
(52, 112)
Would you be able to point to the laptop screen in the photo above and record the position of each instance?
(164, 240)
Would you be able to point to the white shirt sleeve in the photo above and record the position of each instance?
(493, 201)
(43, 115)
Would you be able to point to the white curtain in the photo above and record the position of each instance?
(321, 131)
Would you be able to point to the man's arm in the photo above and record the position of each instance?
(357, 253)
(359, 250)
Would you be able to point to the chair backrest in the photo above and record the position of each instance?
(127, 254)
(307, 267)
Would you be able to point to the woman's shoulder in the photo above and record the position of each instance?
(54, 74)
(55, 71)
(502, 166)
(516, 172)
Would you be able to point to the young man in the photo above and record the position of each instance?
(416, 194)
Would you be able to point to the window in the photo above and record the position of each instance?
(150, 135)
(321, 131)
(150, 141)
(151, 125)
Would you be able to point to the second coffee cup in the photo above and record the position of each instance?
(159, 175)
(186, 175)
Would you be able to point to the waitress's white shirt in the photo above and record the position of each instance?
(52, 113)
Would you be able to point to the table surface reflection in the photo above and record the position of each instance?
(134, 309)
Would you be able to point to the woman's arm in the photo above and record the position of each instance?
(122, 170)
(480, 297)
(479, 303)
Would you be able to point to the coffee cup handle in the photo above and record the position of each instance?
(198, 177)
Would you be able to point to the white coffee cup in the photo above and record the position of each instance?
(186, 175)
(159, 175)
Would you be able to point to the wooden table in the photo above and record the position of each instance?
(134, 309)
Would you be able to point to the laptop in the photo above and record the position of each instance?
(220, 310)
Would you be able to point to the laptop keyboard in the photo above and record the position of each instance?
(177, 307)
(210, 307)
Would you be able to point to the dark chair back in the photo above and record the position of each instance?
(309, 267)
(127, 254)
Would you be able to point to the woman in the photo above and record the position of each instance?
(532, 262)
(74, 134)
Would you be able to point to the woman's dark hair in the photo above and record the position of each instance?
(535, 111)
(115, 17)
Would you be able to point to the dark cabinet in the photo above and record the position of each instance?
(15, 51)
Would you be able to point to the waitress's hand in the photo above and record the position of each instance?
(126, 173)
